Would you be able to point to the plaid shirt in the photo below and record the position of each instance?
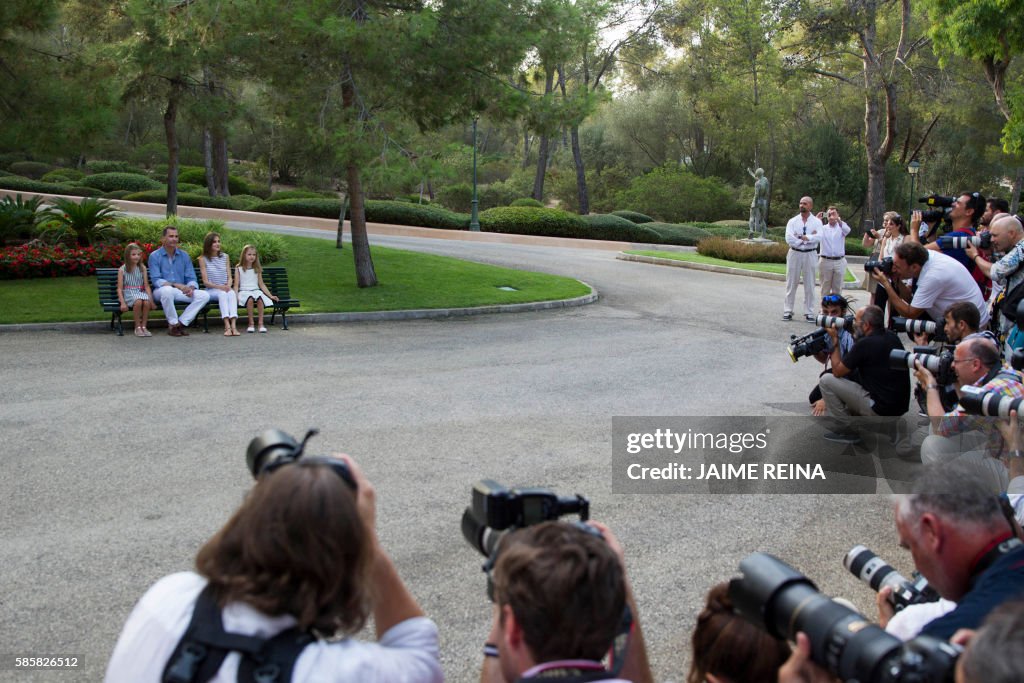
(1008, 383)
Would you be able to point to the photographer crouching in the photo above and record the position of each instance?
(281, 588)
(834, 306)
(862, 382)
(956, 435)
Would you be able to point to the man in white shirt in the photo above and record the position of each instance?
(941, 282)
(832, 262)
(803, 233)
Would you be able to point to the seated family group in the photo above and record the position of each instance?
(171, 278)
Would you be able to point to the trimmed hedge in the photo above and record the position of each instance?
(674, 233)
(633, 216)
(79, 191)
(184, 199)
(192, 232)
(532, 221)
(30, 169)
(299, 194)
(236, 185)
(377, 211)
(316, 208)
(60, 175)
(27, 185)
(133, 182)
(527, 201)
(609, 227)
(101, 166)
(116, 194)
(243, 202)
(731, 250)
(190, 188)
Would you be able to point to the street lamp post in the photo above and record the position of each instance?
(913, 168)
(474, 219)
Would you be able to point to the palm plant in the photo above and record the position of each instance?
(18, 218)
(90, 220)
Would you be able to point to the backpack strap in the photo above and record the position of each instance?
(201, 651)
(275, 661)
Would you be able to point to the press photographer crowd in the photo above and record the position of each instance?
(281, 591)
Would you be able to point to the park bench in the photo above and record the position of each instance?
(274, 277)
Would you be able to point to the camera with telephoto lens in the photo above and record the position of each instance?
(837, 321)
(807, 345)
(882, 265)
(879, 574)
(939, 364)
(496, 510)
(974, 401)
(783, 602)
(912, 327)
(982, 241)
(274, 448)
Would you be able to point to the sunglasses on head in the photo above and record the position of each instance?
(833, 300)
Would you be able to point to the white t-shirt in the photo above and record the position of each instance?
(943, 282)
(408, 652)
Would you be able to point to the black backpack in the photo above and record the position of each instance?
(201, 651)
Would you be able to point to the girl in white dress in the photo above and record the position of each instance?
(249, 285)
(133, 289)
(215, 271)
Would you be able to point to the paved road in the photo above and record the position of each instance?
(101, 495)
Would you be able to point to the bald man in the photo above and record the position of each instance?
(803, 233)
(1008, 272)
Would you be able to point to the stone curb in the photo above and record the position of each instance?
(709, 267)
(362, 316)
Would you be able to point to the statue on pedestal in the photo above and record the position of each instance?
(759, 205)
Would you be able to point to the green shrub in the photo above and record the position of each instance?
(608, 227)
(16, 182)
(527, 201)
(192, 233)
(532, 221)
(191, 188)
(415, 198)
(457, 197)
(682, 235)
(89, 220)
(8, 158)
(116, 194)
(633, 216)
(108, 182)
(236, 185)
(78, 191)
(741, 252)
(60, 175)
(299, 194)
(726, 231)
(30, 169)
(316, 208)
(243, 202)
(854, 247)
(675, 195)
(100, 166)
(184, 199)
(421, 215)
(18, 217)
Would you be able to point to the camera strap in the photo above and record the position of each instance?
(202, 650)
(584, 670)
(998, 548)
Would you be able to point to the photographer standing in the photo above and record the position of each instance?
(954, 434)
(965, 214)
(803, 233)
(876, 389)
(832, 262)
(1008, 273)
(560, 604)
(300, 559)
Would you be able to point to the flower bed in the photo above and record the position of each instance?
(30, 261)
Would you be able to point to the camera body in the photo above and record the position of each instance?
(782, 601)
(496, 510)
(275, 448)
(911, 327)
(807, 345)
(878, 574)
(883, 265)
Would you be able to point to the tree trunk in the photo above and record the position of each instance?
(581, 177)
(542, 167)
(365, 275)
(526, 147)
(220, 161)
(171, 133)
(211, 182)
(340, 243)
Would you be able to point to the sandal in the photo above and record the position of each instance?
(227, 333)
(236, 333)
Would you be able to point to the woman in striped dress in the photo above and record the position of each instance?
(215, 271)
(133, 289)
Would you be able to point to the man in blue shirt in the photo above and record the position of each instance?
(174, 280)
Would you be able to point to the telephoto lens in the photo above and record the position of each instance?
(836, 321)
(974, 401)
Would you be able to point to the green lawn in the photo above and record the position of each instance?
(323, 279)
(694, 257)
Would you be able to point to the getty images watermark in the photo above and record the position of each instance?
(751, 454)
